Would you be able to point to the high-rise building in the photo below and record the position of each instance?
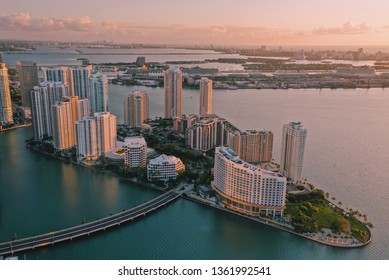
(28, 77)
(136, 108)
(247, 188)
(80, 107)
(164, 168)
(96, 135)
(63, 126)
(205, 96)
(79, 77)
(83, 108)
(173, 92)
(255, 146)
(42, 98)
(5, 97)
(1, 58)
(202, 135)
(87, 139)
(106, 129)
(135, 152)
(265, 146)
(184, 122)
(292, 150)
(98, 93)
(58, 74)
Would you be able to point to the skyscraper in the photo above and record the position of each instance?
(5, 97)
(136, 108)
(173, 92)
(98, 93)
(87, 139)
(79, 77)
(63, 126)
(106, 130)
(255, 146)
(292, 150)
(205, 96)
(42, 98)
(28, 77)
(58, 74)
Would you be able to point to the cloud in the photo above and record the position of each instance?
(346, 29)
(15, 21)
(23, 22)
(22, 25)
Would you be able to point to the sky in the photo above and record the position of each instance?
(201, 22)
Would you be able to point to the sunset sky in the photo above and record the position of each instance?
(247, 22)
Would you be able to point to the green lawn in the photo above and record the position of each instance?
(311, 216)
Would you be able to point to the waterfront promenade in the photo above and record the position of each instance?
(86, 229)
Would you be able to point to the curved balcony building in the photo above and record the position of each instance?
(247, 188)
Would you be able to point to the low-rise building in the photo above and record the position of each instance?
(164, 168)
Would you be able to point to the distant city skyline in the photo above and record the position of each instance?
(204, 22)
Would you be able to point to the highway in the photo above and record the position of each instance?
(52, 238)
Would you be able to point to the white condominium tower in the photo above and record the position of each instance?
(42, 98)
(87, 143)
(28, 78)
(58, 74)
(135, 152)
(173, 92)
(136, 108)
(96, 135)
(205, 96)
(98, 93)
(5, 97)
(292, 150)
(247, 188)
(106, 129)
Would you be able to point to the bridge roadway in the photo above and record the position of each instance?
(52, 238)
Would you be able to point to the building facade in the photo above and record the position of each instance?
(79, 81)
(87, 144)
(6, 116)
(135, 152)
(205, 96)
(43, 97)
(98, 93)
(58, 74)
(247, 188)
(106, 129)
(28, 78)
(255, 146)
(184, 122)
(136, 108)
(63, 126)
(173, 92)
(164, 168)
(292, 150)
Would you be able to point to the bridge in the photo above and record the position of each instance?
(86, 229)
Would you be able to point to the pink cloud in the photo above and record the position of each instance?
(346, 29)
